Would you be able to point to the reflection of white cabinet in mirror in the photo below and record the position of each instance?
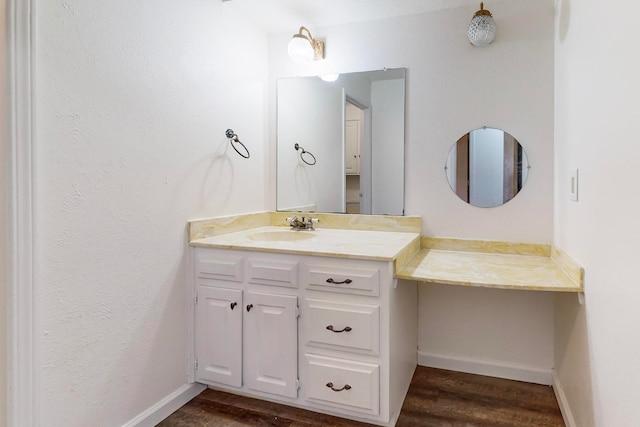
(353, 124)
(313, 113)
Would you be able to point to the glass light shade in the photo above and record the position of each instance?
(300, 50)
(332, 77)
(482, 29)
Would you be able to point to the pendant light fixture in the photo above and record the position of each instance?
(482, 29)
(303, 48)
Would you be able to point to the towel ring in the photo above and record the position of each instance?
(303, 152)
(233, 140)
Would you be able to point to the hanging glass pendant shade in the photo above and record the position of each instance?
(482, 29)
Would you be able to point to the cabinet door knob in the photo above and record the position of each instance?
(347, 329)
(249, 307)
(347, 281)
(346, 387)
(233, 305)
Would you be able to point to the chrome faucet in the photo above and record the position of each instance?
(302, 223)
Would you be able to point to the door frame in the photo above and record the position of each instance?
(22, 332)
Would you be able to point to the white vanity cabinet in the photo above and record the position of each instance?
(357, 338)
(328, 334)
(245, 335)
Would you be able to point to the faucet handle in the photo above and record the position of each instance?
(291, 219)
(310, 221)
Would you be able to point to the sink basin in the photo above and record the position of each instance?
(281, 236)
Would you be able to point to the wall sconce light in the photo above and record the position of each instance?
(303, 48)
(482, 29)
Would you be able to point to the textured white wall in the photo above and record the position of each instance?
(4, 211)
(453, 88)
(596, 116)
(132, 100)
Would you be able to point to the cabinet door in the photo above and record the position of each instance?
(219, 335)
(271, 343)
(352, 147)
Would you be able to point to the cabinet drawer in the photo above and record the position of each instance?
(348, 280)
(346, 327)
(274, 273)
(343, 383)
(220, 267)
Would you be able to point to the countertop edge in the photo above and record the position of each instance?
(409, 273)
(400, 257)
(295, 252)
(488, 285)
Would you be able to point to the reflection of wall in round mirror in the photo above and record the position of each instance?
(487, 167)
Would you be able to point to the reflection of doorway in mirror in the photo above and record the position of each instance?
(486, 173)
(497, 167)
(487, 167)
(353, 131)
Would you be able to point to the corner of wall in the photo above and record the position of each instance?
(572, 382)
(161, 410)
(563, 402)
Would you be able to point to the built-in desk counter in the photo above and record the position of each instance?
(493, 265)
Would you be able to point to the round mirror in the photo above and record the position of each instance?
(487, 167)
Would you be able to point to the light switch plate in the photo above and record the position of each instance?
(573, 189)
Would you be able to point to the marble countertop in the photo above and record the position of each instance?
(356, 244)
(463, 262)
(492, 270)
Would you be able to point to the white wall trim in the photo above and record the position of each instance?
(492, 368)
(563, 402)
(166, 406)
(23, 389)
(191, 317)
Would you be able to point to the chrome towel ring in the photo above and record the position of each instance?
(310, 157)
(234, 141)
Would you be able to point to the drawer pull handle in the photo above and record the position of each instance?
(347, 281)
(347, 329)
(249, 307)
(233, 305)
(346, 387)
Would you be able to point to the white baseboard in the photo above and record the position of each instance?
(491, 368)
(563, 402)
(166, 406)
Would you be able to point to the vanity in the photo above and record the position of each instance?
(326, 319)
(313, 319)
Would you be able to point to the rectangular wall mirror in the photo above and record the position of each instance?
(340, 144)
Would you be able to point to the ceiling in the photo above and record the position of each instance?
(275, 16)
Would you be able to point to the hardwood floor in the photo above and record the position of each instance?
(436, 398)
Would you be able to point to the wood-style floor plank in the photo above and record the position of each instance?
(436, 398)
